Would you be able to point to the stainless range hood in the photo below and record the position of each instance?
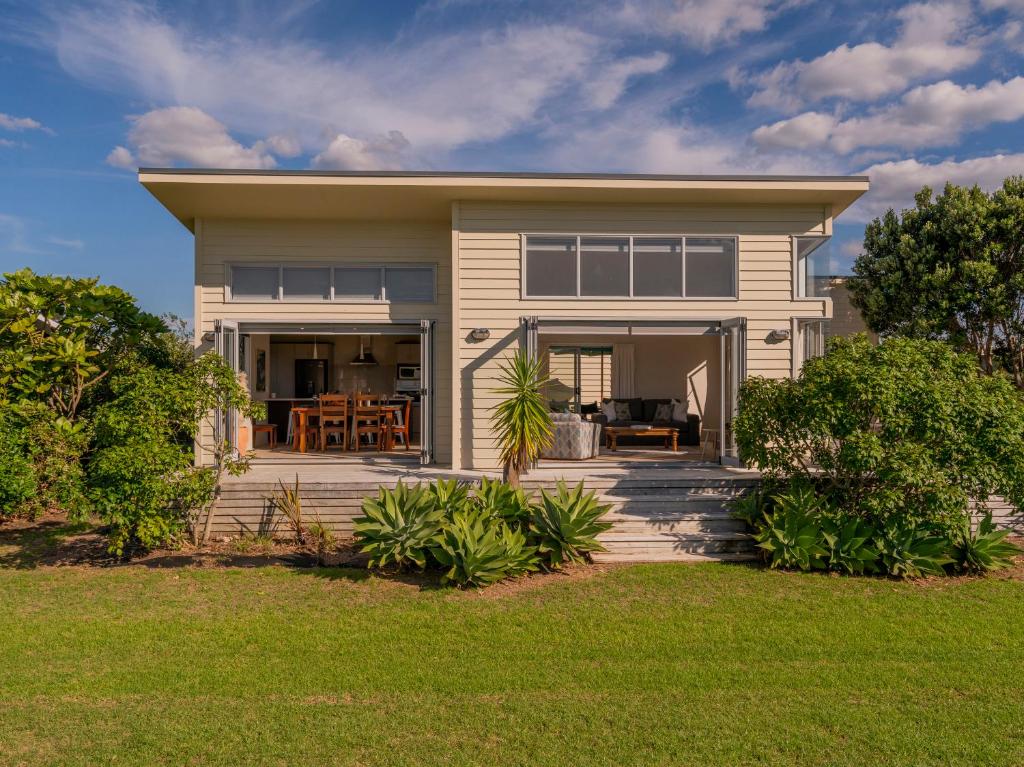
(365, 356)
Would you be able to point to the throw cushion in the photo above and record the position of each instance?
(621, 411)
(663, 412)
(679, 411)
(608, 408)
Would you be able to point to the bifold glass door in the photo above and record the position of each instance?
(579, 375)
(227, 345)
(427, 392)
(734, 370)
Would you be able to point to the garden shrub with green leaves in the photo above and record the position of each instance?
(479, 535)
(100, 405)
(897, 442)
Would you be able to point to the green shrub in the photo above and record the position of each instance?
(17, 474)
(850, 545)
(449, 495)
(792, 534)
(478, 549)
(399, 526)
(983, 549)
(906, 430)
(566, 525)
(910, 551)
(499, 499)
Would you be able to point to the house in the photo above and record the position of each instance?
(419, 284)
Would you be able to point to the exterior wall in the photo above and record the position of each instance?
(487, 254)
(846, 320)
(220, 242)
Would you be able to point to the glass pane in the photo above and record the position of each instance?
(604, 266)
(813, 259)
(254, 282)
(357, 283)
(309, 284)
(409, 284)
(551, 266)
(710, 267)
(657, 266)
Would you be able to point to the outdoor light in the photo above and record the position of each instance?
(480, 334)
(779, 334)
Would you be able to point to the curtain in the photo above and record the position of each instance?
(623, 371)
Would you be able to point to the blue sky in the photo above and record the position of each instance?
(910, 93)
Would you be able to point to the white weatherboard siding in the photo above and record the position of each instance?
(251, 241)
(489, 279)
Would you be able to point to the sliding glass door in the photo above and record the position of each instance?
(733, 351)
(226, 342)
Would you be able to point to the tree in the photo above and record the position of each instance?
(522, 421)
(951, 268)
(906, 430)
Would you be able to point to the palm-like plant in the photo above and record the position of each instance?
(522, 421)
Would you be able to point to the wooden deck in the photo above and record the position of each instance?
(662, 510)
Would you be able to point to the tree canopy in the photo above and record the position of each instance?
(952, 269)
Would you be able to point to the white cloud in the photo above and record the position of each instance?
(810, 129)
(66, 243)
(932, 42)
(347, 153)
(440, 92)
(607, 87)
(929, 115)
(12, 123)
(186, 135)
(894, 184)
(700, 22)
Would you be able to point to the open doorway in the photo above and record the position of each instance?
(660, 392)
(297, 368)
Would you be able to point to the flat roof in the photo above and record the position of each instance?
(190, 193)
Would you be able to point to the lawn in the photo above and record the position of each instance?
(649, 664)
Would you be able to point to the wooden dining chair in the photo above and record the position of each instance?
(366, 418)
(333, 420)
(312, 430)
(399, 427)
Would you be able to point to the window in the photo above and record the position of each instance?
(307, 284)
(371, 282)
(409, 284)
(810, 341)
(710, 267)
(812, 262)
(657, 267)
(589, 266)
(254, 283)
(357, 284)
(551, 266)
(604, 266)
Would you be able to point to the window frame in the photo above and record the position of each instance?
(525, 296)
(333, 266)
(797, 340)
(796, 277)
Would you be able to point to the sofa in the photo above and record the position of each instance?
(572, 439)
(641, 412)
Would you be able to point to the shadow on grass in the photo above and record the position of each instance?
(52, 542)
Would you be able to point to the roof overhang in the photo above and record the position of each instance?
(190, 194)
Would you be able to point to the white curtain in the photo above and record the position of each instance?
(623, 371)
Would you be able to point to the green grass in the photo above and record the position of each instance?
(657, 664)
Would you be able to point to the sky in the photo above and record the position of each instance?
(911, 94)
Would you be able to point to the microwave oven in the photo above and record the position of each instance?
(408, 372)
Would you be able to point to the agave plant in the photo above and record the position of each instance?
(499, 499)
(983, 549)
(566, 525)
(850, 545)
(792, 539)
(399, 526)
(522, 422)
(449, 494)
(908, 551)
(478, 550)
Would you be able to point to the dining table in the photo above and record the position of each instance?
(301, 415)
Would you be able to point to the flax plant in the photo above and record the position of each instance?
(522, 422)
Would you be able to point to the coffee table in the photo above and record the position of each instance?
(669, 433)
